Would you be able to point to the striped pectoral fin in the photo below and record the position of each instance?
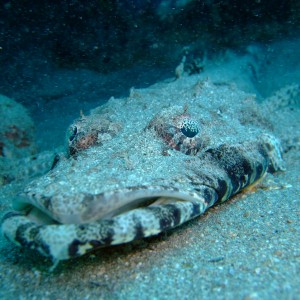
(273, 151)
(242, 165)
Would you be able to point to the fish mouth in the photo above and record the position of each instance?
(90, 208)
(147, 211)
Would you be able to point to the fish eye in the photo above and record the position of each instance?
(189, 127)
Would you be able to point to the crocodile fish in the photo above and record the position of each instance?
(141, 165)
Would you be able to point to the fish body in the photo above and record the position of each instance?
(138, 166)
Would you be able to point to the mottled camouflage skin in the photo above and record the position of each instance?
(70, 221)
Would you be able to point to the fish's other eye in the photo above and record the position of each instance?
(89, 131)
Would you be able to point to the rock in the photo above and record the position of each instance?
(16, 130)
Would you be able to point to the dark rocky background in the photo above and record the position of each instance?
(107, 36)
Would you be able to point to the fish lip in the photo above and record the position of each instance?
(95, 207)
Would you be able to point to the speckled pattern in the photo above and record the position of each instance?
(148, 175)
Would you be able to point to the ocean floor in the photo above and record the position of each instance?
(247, 248)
